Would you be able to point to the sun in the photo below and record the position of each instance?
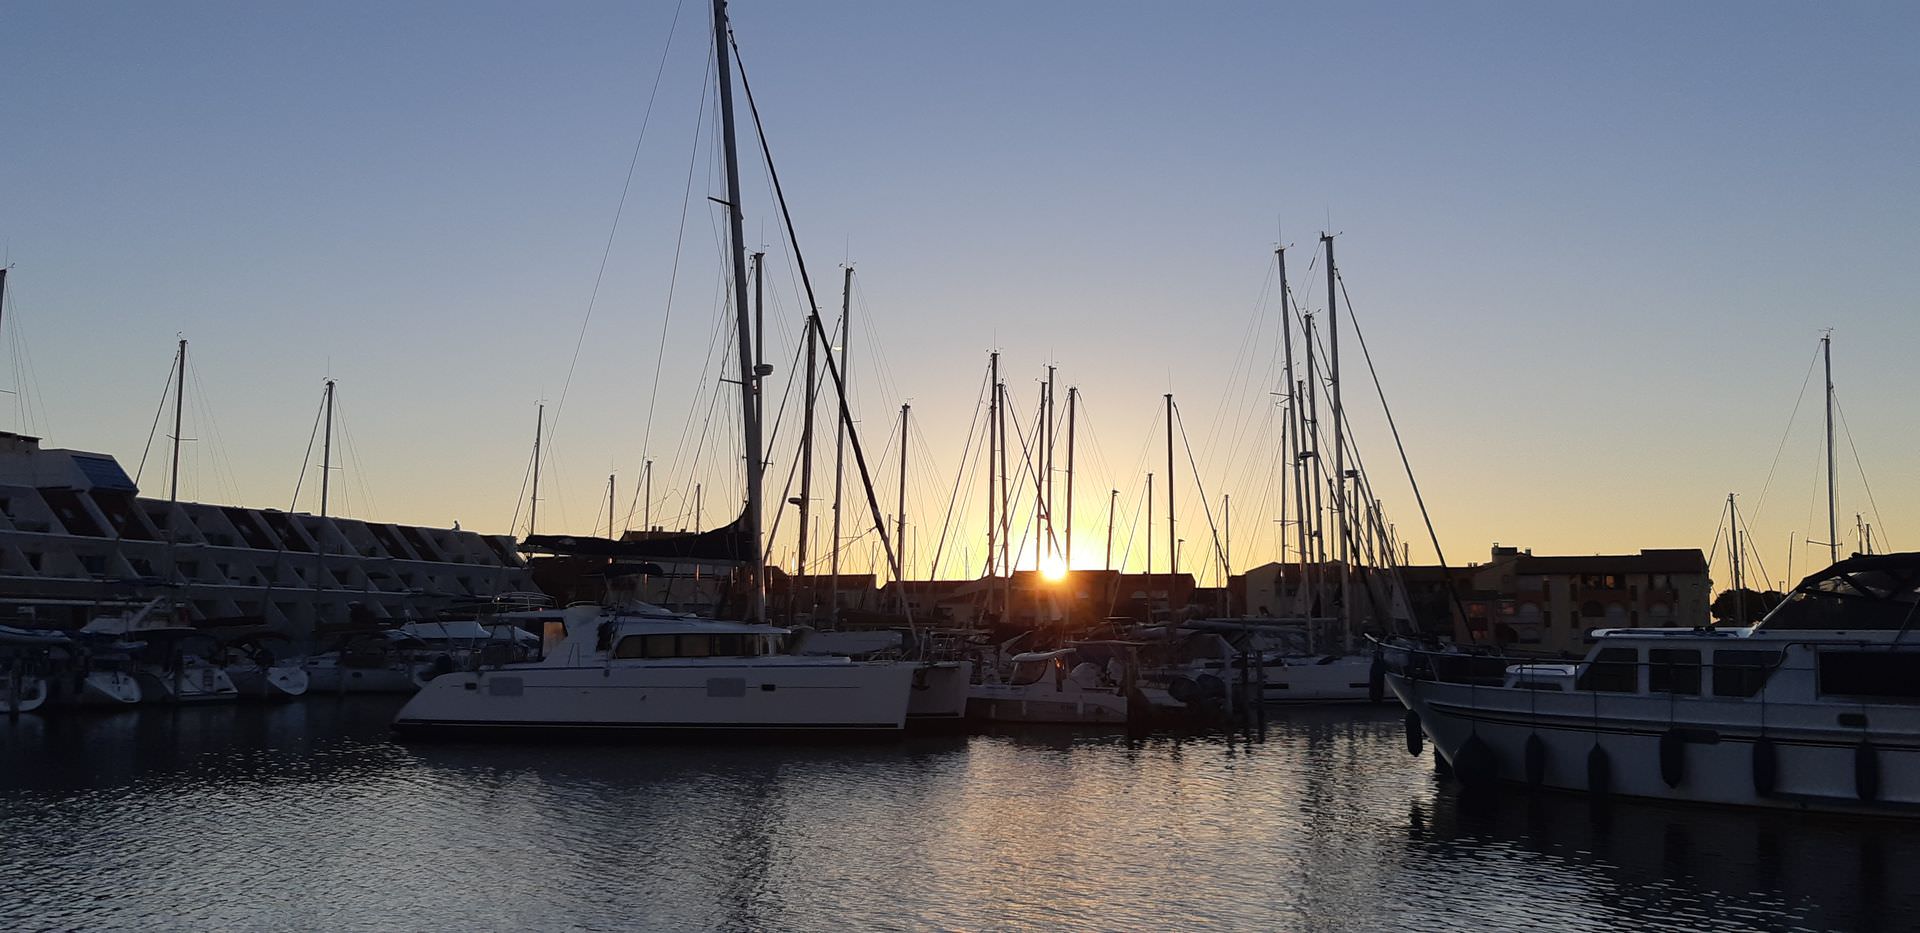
(1053, 569)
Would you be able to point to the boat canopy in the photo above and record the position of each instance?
(1870, 592)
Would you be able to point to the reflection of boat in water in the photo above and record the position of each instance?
(645, 672)
(1813, 708)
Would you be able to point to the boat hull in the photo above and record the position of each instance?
(939, 697)
(1340, 680)
(1043, 704)
(195, 683)
(325, 678)
(274, 684)
(646, 701)
(22, 693)
(1708, 745)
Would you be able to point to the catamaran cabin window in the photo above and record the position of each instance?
(1673, 670)
(1613, 670)
(696, 646)
(1742, 673)
(1883, 675)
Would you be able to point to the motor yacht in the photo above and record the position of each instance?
(1816, 707)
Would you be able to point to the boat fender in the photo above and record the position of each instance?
(1866, 771)
(441, 664)
(1377, 680)
(1766, 767)
(1475, 764)
(1673, 758)
(1536, 760)
(1599, 772)
(1414, 735)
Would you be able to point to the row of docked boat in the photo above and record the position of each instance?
(144, 657)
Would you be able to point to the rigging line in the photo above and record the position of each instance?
(1784, 435)
(813, 320)
(594, 296)
(1857, 465)
(517, 500)
(157, 412)
(217, 459)
(307, 458)
(1206, 507)
(1426, 517)
(1747, 529)
(673, 277)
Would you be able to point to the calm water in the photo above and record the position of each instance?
(308, 817)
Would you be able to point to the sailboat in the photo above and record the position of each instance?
(640, 671)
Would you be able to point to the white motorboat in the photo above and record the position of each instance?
(644, 672)
(21, 692)
(1817, 707)
(1328, 678)
(378, 662)
(170, 662)
(1054, 687)
(181, 677)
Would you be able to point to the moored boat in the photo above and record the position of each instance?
(1817, 707)
(645, 673)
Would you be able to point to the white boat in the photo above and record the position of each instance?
(1328, 678)
(1053, 687)
(184, 678)
(378, 662)
(21, 692)
(644, 672)
(1817, 707)
(940, 682)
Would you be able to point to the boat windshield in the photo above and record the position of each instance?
(1030, 671)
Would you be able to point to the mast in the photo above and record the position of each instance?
(749, 372)
(533, 504)
(696, 506)
(1173, 554)
(326, 451)
(1073, 398)
(611, 534)
(1833, 526)
(840, 439)
(1006, 508)
(759, 341)
(1149, 542)
(993, 447)
(1113, 499)
(900, 512)
(806, 465)
(1295, 427)
(1226, 554)
(179, 395)
(646, 496)
(1046, 458)
(1339, 446)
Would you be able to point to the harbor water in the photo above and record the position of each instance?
(308, 816)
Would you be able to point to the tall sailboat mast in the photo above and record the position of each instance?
(1294, 430)
(749, 372)
(179, 395)
(533, 502)
(900, 511)
(1173, 553)
(326, 451)
(840, 440)
(1833, 523)
(993, 449)
(1341, 524)
(1046, 460)
(1073, 398)
(806, 467)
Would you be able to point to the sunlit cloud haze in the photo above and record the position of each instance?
(1592, 249)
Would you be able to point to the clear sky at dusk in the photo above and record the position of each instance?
(1592, 246)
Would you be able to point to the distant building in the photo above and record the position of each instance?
(77, 539)
(1554, 603)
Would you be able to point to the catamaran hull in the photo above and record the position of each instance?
(330, 679)
(662, 702)
(1716, 755)
(939, 697)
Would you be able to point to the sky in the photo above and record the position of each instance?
(1592, 248)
